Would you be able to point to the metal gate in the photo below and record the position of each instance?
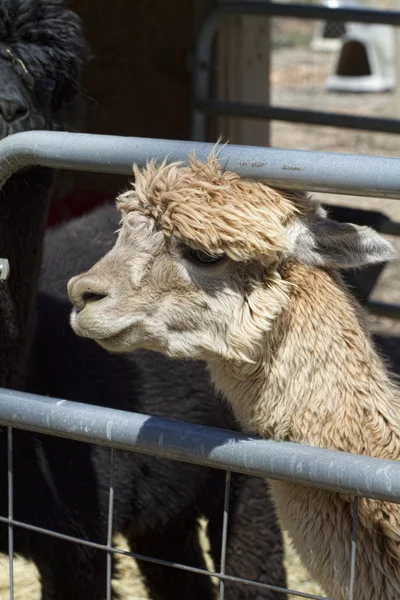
(359, 476)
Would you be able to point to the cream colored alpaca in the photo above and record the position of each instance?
(208, 265)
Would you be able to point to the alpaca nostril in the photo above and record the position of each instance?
(92, 297)
(13, 108)
(86, 289)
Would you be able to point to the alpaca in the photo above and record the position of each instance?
(211, 266)
(157, 502)
(42, 54)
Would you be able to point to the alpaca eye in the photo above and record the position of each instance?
(49, 84)
(198, 256)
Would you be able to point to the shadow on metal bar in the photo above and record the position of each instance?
(203, 105)
(315, 467)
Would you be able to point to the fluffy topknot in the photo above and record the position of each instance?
(213, 210)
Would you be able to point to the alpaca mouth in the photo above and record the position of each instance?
(127, 339)
(87, 325)
(114, 343)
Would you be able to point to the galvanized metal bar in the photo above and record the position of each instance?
(10, 481)
(231, 451)
(225, 520)
(296, 115)
(306, 11)
(296, 169)
(111, 491)
(353, 548)
(157, 561)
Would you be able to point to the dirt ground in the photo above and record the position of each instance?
(129, 584)
(297, 81)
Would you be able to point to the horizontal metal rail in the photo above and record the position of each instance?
(202, 105)
(304, 11)
(383, 309)
(295, 115)
(359, 175)
(305, 465)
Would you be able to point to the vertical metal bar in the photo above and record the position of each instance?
(10, 478)
(201, 80)
(224, 533)
(353, 548)
(110, 522)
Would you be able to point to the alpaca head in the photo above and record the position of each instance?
(196, 269)
(42, 51)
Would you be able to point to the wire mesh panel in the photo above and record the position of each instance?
(111, 550)
(83, 422)
(10, 483)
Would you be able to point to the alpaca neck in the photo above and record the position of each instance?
(24, 202)
(320, 381)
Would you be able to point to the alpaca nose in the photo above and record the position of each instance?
(85, 290)
(12, 107)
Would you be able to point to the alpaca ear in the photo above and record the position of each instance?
(319, 241)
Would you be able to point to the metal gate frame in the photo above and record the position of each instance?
(341, 472)
(204, 106)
